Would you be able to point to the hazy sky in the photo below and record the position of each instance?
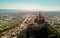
(45, 5)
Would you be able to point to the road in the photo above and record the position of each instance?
(13, 32)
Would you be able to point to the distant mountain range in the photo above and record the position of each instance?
(14, 11)
(52, 12)
(9, 10)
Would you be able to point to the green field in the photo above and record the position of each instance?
(8, 25)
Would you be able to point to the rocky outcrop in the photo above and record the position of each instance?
(37, 28)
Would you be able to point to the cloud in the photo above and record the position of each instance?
(32, 7)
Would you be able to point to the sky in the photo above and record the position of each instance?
(44, 5)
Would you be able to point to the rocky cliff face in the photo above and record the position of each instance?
(37, 23)
(37, 28)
